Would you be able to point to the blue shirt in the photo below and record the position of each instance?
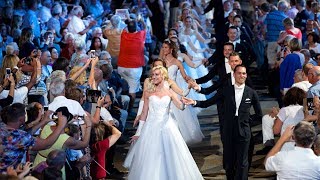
(31, 20)
(14, 145)
(287, 69)
(314, 90)
(274, 25)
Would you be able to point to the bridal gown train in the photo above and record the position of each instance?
(160, 153)
(187, 119)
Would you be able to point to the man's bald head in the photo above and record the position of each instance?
(314, 74)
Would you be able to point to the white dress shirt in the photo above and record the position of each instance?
(227, 65)
(238, 90)
(73, 106)
(300, 163)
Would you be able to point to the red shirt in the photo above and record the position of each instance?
(297, 35)
(99, 150)
(132, 49)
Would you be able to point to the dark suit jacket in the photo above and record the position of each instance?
(219, 69)
(246, 52)
(249, 98)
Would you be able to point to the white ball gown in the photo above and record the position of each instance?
(160, 153)
(187, 119)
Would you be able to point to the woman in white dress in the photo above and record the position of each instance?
(160, 151)
(187, 119)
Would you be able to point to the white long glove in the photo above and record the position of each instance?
(141, 123)
(140, 107)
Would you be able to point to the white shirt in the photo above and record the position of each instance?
(300, 163)
(105, 114)
(232, 78)
(19, 94)
(304, 85)
(235, 42)
(238, 90)
(227, 65)
(73, 106)
(290, 115)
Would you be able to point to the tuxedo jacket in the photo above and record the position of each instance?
(249, 99)
(218, 69)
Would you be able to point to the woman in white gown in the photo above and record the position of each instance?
(188, 35)
(187, 119)
(160, 152)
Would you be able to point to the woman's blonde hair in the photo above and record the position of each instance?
(82, 78)
(10, 61)
(164, 73)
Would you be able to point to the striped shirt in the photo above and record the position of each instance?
(274, 25)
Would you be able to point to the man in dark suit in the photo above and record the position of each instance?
(238, 100)
(226, 78)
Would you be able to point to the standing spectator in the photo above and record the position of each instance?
(54, 22)
(76, 24)
(301, 18)
(114, 35)
(104, 135)
(30, 20)
(293, 11)
(289, 65)
(274, 25)
(131, 58)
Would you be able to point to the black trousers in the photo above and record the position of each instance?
(235, 152)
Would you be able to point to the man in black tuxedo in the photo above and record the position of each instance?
(221, 69)
(238, 100)
(225, 72)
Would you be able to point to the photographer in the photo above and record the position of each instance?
(24, 83)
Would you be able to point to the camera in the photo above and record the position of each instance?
(92, 53)
(28, 60)
(8, 72)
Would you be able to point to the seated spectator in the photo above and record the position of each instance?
(313, 39)
(67, 46)
(49, 42)
(13, 117)
(316, 146)
(308, 56)
(27, 83)
(299, 163)
(301, 78)
(54, 22)
(97, 46)
(76, 158)
(55, 161)
(80, 55)
(277, 120)
(54, 55)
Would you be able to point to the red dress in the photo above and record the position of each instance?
(99, 150)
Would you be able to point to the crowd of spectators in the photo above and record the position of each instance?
(71, 70)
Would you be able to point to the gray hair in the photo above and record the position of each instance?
(76, 10)
(56, 9)
(304, 134)
(57, 87)
(103, 54)
(58, 74)
(95, 30)
(115, 20)
(316, 143)
(9, 49)
(68, 35)
(79, 44)
(282, 5)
